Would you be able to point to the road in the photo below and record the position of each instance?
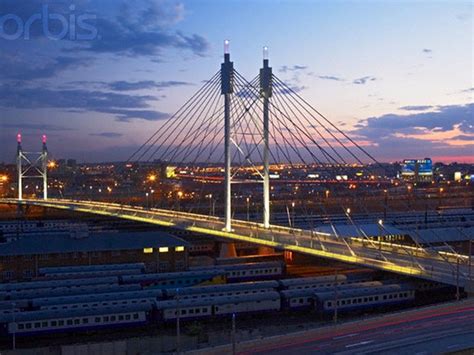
(401, 259)
(429, 331)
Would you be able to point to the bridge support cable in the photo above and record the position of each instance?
(163, 130)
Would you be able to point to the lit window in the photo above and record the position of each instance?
(179, 248)
(148, 250)
(163, 249)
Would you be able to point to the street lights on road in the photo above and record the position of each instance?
(248, 208)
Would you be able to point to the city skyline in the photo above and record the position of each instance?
(382, 71)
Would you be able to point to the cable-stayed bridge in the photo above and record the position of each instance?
(234, 132)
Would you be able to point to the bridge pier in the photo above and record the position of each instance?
(227, 250)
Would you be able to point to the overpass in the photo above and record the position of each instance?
(447, 267)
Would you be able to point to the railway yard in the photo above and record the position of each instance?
(114, 300)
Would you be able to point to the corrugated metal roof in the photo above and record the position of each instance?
(360, 230)
(64, 243)
(439, 235)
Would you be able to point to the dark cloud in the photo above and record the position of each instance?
(16, 68)
(289, 89)
(125, 107)
(35, 126)
(106, 134)
(130, 115)
(286, 69)
(363, 80)
(145, 84)
(416, 108)
(464, 137)
(427, 50)
(330, 77)
(468, 90)
(445, 118)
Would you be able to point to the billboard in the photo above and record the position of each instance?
(417, 167)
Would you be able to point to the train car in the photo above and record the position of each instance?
(218, 306)
(304, 298)
(352, 299)
(250, 271)
(34, 323)
(127, 295)
(18, 286)
(63, 291)
(176, 279)
(88, 268)
(95, 304)
(91, 274)
(235, 289)
(311, 282)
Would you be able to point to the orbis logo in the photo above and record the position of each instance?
(53, 25)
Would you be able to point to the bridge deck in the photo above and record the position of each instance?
(423, 263)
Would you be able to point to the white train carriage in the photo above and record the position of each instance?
(304, 298)
(242, 288)
(45, 322)
(363, 298)
(126, 295)
(249, 271)
(95, 304)
(18, 286)
(63, 291)
(218, 306)
(92, 274)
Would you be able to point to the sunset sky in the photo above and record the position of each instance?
(395, 74)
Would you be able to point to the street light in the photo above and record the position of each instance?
(248, 208)
(13, 326)
(293, 214)
(146, 194)
(152, 177)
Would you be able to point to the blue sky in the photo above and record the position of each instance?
(397, 75)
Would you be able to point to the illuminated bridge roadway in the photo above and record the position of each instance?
(427, 264)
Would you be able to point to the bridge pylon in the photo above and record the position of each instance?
(32, 161)
(227, 89)
(266, 93)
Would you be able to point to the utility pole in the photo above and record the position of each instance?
(14, 327)
(178, 329)
(458, 296)
(335, 298)
(233, 334)
(266, 93)
(227, 88)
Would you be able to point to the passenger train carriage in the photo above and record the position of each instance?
(250, 271)
(176, 279)
(218, 306)
(363, 298)
(44, 322)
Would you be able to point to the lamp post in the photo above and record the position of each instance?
(380, 224)
(248, 208)
(233, 334)
(13, 326)
(293, 214)
(146, 195)
(178, 329)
